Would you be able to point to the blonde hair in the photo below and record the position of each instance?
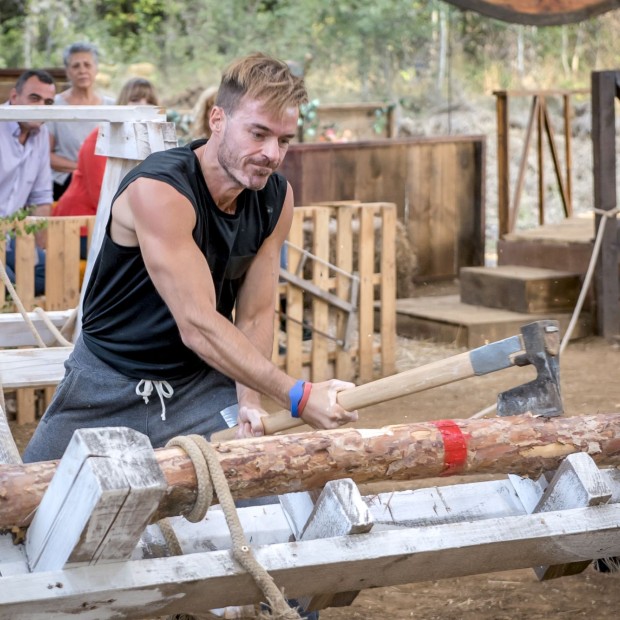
(201, 112)
(262, 78)
(136, 89)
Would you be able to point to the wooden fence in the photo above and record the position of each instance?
(437, 185)
(330, 294)
(62, 287)
(344, 255)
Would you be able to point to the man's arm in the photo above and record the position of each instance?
(58, 162)
(254, 310)
(162, 221)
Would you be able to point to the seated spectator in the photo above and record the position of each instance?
(25, 174)
(81, 65)
(82, 194)
(201, 112)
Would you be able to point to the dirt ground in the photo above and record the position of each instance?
(589, 385)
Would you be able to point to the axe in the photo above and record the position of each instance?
(538, 345)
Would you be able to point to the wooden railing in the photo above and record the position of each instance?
(540, 122)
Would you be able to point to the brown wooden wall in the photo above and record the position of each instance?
(436, 183)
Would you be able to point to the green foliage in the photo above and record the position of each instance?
(29, 228)
(383, 50)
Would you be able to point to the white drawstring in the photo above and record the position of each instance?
(163, 389)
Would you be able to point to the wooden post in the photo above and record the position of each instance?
(577, 483)
(523, 445)
(104, 491)
(604, 93)
(503, 168)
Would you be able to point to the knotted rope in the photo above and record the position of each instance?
(211, 478)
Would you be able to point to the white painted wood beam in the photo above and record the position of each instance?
(107, 486)
(97, 113)
(203, 581)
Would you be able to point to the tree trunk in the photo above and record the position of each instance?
(523, 445)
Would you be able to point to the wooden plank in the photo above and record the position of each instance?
(578, 482)
(387, 290)
(62, 272)
(98, 113)
(25, 256)
(339, 511)
(604, 94)
(198, 582)
(366, 255)
(344, 260)
(276, 523)
(520, 289)
(106, 488)
(320, 310)
(403, 171)
(445, 318)
(32, 367)
(295, 300)
(15, 332)
(25, 405)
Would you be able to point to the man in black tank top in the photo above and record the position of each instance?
(194, 234)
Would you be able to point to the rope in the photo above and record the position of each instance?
(589, 273)
(211, 477)
(605, 215)
(53, 329)
(20, 306)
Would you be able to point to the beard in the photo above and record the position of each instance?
(233, 167)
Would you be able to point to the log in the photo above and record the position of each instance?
(523, 445)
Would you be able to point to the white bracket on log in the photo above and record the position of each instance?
(104, 491)
(577, 483)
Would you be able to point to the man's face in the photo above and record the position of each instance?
(33, 92)
(253, 141)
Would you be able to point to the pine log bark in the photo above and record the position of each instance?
(523, 445)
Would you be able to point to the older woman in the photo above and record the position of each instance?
(81, 63)
(82, 195)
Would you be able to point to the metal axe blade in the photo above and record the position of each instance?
(541, 396)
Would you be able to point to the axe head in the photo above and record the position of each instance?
(541, 341)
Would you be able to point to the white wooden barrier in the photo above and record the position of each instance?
(72, 564)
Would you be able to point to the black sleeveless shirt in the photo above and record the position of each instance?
(125, 321)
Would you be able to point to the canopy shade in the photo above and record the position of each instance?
(539, 12)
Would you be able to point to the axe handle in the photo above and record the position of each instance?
(410, 381)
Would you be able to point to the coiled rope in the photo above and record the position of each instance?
(211, 478)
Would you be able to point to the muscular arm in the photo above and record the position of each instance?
(254, 314)
(163, 221)
(157, 217)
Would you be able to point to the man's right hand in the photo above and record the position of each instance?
(322, 410)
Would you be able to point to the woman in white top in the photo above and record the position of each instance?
(81, 63)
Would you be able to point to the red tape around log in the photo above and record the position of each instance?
(454, 446)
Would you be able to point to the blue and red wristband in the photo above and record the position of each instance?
(295, 395)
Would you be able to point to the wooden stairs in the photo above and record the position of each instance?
(538, 276)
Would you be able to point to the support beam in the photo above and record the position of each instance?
(104, 491)
(605, 89)
(578, 482)
(196, 583)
